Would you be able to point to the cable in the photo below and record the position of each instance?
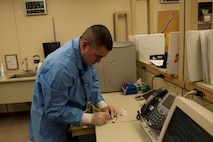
(159, 75)
(184, 85)
(192, 92)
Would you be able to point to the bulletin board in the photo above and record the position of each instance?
(164, 16)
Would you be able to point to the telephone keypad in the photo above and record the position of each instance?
(155, 119)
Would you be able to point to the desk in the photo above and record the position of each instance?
(80, 131)
(126, 128)
(119, 101)
(121, 132)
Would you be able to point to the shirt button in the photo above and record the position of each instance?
(86, 84)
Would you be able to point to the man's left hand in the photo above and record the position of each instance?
(111, 110)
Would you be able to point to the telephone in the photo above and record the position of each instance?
(153, 99)
(156, 115)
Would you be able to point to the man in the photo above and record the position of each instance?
(65, 83)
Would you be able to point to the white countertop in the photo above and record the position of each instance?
(7, 79)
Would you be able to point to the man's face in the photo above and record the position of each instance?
(90, 55)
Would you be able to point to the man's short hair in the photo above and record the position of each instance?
(98, 36)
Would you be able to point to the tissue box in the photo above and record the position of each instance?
(142, 88)
(128, 89)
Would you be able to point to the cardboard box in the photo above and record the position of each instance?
(205, 18)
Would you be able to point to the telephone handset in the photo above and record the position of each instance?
(156, 117)
(153, 100)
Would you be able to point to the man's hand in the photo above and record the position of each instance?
(111, 111)
(100, 118)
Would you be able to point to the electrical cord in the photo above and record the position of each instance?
(195, 92)
(192, 92)
(184, 85)
(159, 75)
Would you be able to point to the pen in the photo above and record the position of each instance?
(95, 108)
(114, 119)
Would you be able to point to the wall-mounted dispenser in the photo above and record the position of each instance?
(36, 60)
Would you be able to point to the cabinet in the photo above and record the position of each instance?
(204, 15)
(118, 67)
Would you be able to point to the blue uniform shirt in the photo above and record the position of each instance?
(62, 89)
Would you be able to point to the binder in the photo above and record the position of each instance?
(173, 53)
(194, 57)
(149, 44)
(210, 55)
(204, 40)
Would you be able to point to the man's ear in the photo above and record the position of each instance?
(84, 44)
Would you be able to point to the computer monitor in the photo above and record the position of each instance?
(187, 121)
(49, 47)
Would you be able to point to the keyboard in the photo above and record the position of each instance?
(152, 133)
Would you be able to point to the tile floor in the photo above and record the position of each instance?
(14, 127)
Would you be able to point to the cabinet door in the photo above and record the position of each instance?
(100, 73)
(119, 67)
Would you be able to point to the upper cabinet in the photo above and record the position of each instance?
(204, 15)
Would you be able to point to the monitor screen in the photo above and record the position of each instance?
(183, 129)
(50, 47)
(168, 102)
(187, 121)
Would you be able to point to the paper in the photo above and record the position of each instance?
(157, 62)
(149, 44)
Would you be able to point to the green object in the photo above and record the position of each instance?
(88, 109)
(205, 11)
(143, 88)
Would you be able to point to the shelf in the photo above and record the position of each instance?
(204, 23)
(206, 89)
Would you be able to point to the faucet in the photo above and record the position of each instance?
(26, 63)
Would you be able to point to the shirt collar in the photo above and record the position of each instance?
(78, 55)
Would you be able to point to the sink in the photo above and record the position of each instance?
(23, 75)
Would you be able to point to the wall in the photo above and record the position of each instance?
(24, 35)
(154, 7)
(141, 17)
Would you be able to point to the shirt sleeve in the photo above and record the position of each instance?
(55, 97)
(86, 119)
(101, 104)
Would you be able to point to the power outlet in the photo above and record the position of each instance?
(199, 93)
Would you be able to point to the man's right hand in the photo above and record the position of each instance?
(100, 118)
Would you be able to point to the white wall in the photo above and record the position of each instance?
(24, 35)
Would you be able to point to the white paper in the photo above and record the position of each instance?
(149, 44)
(157, 62)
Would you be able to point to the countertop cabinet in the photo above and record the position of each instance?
(16, 91)
(118, 67)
